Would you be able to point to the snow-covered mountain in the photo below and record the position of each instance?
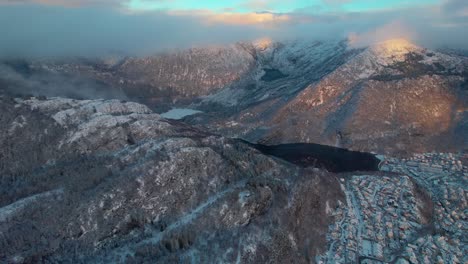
(394, 96)
(107, 181)
(390, 97)
(239, 74)
(112, 181)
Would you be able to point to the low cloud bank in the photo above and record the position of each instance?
(30, 30)
(17, 78)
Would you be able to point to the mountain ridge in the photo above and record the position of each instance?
(256, 90)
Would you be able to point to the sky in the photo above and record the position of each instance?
(273, 6)
(47, 28)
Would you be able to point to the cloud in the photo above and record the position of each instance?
(51, 30)
(393, 30)
(59, 31)
(248, 19)
(15, 81)
(458, 8)
(69, 3)
(232, 18)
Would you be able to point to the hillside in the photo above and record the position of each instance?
(392, 97)
(99, 181)
(105, 181)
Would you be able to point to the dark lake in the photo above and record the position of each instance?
(321, 156)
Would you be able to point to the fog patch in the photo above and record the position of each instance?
(18, 78)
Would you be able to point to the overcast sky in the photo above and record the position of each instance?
(140, 27)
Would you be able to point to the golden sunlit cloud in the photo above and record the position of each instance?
(231, 18)
(248, 19)
(391, 31)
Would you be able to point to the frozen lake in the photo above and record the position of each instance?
(179, 113)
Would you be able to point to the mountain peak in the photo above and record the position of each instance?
(395, 49)
(396, 44)
(263, 43)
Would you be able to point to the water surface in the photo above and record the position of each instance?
(179, 113)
